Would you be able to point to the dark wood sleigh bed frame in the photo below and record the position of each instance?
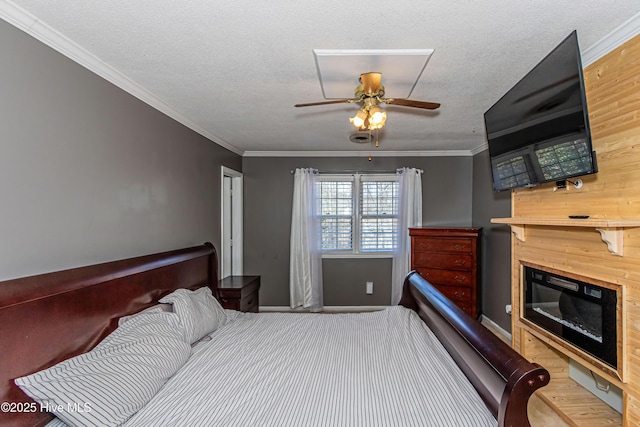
(47, 318)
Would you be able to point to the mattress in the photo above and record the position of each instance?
(383, 368)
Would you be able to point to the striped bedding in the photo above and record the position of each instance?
(382, 368)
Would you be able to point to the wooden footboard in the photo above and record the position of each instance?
(504, 379)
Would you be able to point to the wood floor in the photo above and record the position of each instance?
(540, 415)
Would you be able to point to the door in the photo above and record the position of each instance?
(231, 246)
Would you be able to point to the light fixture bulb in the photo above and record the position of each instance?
(377, 118)
(359, 118)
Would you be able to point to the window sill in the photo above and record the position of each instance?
(361, 255)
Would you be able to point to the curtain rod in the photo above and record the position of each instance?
(358, 171)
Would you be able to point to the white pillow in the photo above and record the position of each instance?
(110, 383)
(199, 312)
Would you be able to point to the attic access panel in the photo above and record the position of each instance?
(339, 69)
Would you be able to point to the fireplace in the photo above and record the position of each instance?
(580, 313)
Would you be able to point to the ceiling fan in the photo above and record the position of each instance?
(370, 93)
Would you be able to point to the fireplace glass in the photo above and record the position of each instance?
(580, 313)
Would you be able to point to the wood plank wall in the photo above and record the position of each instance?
(613, 96)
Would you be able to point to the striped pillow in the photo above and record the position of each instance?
(199, 312)
(153, 309)
(110, 383)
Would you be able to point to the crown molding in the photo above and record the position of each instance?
(479, 149)
(618, 36)
(366, 153)
(28, 23)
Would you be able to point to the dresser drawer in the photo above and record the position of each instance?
(460, 296)
(250, 303)
(441, 261)
(443, 245)
(456, 293)
(447, 277)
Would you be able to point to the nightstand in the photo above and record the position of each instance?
(239, 293)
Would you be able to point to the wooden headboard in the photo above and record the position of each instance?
(51, 317)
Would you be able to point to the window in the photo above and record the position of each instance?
(513, 172)
(378, 215)
(567, 159)
(358, 213)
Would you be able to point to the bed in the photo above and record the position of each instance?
(49, 318)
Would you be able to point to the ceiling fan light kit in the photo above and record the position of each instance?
(370, 93)
(359, 119)
(377, 118)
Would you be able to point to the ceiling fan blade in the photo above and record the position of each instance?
(371, 83)
(335, 101)
(411, 103)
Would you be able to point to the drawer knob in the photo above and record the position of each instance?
(460, 278)
(459, 246)
(460, 262)
(460, 293)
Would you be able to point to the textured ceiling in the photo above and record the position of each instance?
(234, 69)
(401, 68)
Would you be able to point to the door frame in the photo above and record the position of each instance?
(231, 243)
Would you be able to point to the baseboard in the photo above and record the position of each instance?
(497, 328)
(332, 308)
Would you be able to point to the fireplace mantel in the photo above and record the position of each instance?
(611, 230)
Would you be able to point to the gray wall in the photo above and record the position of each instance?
(268, 191)
(496, 241)
(89, 173)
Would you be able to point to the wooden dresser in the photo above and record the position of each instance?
(239, 293)
(449, 259)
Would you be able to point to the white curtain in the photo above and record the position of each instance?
(305, 270)
(409, 215)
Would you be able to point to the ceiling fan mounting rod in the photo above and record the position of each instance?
(360, 93)
(370, 101)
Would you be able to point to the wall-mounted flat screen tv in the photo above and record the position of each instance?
(539, 130)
